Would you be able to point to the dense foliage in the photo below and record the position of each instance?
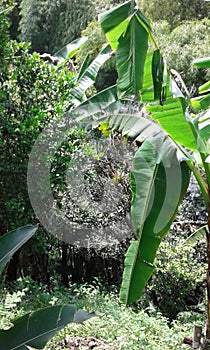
(175, 12)
(188, 41)
(116, 327)
(32, 93)
(50, 25)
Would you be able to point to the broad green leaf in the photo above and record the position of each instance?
(204, 88)
(201, 103)
(70, 49)
(114, 17)
(154, 206)
(195, 236)
(10, 242)
(37, 328)
(114, 35)
(89, 75)
(96, 103)
(115, 21)
(202, 62)
(171, 117)
(130, 57)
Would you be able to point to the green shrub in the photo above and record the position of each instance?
(31, 93)
(178, 282)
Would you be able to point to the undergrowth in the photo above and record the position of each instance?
(121, 328)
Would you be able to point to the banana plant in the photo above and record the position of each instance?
(162, 164)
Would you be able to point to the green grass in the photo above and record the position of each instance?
(120, 327)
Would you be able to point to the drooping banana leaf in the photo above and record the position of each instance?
(159, 181)
(11, 241)
(89, 75)
(70, 50)
(95, 104)
(134, 126)
(37, 328)
(198, 234)
(157, 74)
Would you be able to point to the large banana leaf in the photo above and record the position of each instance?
(95, 104)
(36, 328)
(88, 76)
(134, 126)
(10, 242)
(159, 181)
(169, 111)
(130, 57)
(127, 30)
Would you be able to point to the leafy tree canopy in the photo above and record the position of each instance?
(175, 11)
